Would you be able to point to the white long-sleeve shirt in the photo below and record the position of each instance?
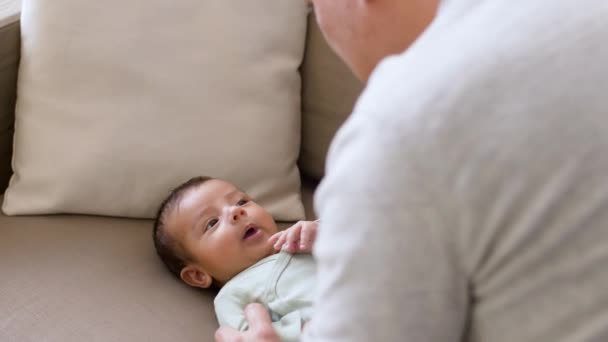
(466, 198)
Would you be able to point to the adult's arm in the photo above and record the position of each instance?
(387, 267)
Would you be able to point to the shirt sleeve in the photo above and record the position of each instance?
(386, 269)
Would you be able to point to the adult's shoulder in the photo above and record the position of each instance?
(492, 71)
(486, 88)
(488, 55)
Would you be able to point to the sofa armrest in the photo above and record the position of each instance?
(9, 62)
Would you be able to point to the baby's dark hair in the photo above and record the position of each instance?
(170, 251)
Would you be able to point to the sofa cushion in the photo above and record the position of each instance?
(78, 278)
(87, 278)
(9, 60)
(329, 93)
(9, 11)
(121, 101)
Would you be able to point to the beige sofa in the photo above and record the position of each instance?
(83, 278)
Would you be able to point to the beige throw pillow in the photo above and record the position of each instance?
(121, 100)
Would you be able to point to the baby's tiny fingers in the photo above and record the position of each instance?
(293, 235)
(307, 237)
(280, 241)
(272, 239)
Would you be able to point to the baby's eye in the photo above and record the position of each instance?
(211, 223)
(242, 202)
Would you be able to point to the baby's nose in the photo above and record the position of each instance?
(237, 213)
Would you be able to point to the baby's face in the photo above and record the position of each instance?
(222, 229)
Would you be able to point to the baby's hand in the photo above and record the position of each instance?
(298, 238)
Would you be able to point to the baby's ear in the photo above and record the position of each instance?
(195, 276)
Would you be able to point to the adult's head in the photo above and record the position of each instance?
(363, 32)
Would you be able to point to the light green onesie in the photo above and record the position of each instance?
(282, 282)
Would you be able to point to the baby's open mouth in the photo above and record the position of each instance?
(250, 231)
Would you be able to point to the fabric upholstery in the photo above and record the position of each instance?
(9, 11)
(329, 93)
(121, 101)
(78, 278)
(9, 60)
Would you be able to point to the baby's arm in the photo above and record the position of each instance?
(299, 238)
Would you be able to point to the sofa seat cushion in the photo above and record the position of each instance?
(86, 278)
(77, 278)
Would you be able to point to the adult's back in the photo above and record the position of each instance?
(467, 196)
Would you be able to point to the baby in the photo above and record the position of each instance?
(210, 234)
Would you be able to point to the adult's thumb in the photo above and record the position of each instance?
(257, 316)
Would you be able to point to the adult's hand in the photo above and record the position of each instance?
(260, 328)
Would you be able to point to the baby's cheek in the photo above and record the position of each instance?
(271, 224)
